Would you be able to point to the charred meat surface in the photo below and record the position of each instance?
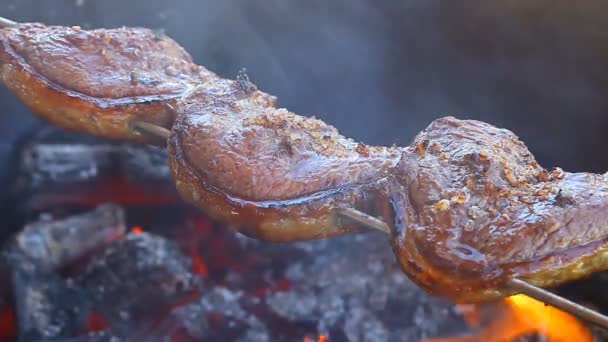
(474, 208)
(97, 81)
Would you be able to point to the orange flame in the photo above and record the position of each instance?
(520, 315)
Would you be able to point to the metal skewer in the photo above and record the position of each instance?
(6, 22)
(363, 219)
(517, 285)
(146, 128)
(550, 298)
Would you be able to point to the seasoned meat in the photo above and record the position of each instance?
(473, 208)
(468, 205)
(97, 81)
(270, 173)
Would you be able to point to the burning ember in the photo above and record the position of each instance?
(320, 339)
(517, 317)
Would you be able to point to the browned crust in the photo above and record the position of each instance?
(108, 118)
(525, 229)
(278, 221)
(439, 277)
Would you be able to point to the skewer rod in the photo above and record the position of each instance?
(6, 22)
(559, 302)
(151, 129)
(363, 219)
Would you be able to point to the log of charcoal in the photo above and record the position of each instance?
(137, 280)
(51, 245)
(353, 288)
(346, 288)
(219, 314)
(54, 173)
(47, 305)
(146, 162)
(47, 165)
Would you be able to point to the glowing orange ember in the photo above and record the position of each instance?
(137, 229)
(518, 316)
(95, 322)
(198, 266)
(321, 338)
(7, 324)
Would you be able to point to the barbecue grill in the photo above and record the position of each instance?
(31, 202)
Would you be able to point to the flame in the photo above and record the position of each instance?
(322, 338)
(521, 315)
(554, 324)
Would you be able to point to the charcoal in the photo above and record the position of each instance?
(58, 164)
(352, 287)
(347, 288)
(47, 307)
(219, 314)
(54, 244)
(146, 162)
(55, 174)
(136, 280)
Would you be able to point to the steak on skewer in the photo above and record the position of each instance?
(472, 208)
(468, 205)
(270, 173)
(97, 81)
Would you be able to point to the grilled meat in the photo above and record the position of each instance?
(474, 209)
(270, 173)
(97, 81)
(468, 205)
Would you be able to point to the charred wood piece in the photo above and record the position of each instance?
(51, 245)
(59, 174)
(136, 280)
(48, 306)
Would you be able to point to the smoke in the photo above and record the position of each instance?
(381, 71)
